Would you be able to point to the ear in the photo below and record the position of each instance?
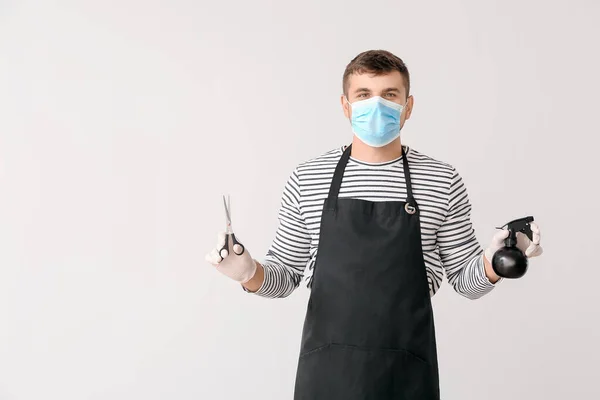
(345, 106)
(409, 106)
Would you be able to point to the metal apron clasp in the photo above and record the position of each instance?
(410, 209)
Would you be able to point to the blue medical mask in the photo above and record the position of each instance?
(376, 121)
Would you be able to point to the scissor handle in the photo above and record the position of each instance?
(225, 247)
(235, 241)
(224, 251)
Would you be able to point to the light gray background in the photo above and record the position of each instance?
(122, 123)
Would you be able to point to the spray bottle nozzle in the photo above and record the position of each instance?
(520, 225)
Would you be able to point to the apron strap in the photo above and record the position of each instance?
(336, 182)
(410, 200)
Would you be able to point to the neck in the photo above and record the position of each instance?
(366, 153)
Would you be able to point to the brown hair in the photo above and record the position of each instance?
(377, 62)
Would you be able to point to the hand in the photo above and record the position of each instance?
(531, 248)
(240, 268)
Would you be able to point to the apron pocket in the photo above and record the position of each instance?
(343, 372)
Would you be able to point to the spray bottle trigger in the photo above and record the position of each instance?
(527, 231)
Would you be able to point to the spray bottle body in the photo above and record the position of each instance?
(509, 261)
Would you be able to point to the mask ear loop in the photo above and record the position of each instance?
(349, 104)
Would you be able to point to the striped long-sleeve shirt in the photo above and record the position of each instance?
(448, 238)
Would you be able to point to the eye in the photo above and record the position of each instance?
(390, 94)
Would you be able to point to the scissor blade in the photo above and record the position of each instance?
(227, 214)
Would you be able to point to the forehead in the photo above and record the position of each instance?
(374, 82)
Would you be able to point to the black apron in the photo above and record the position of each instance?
(369, 331)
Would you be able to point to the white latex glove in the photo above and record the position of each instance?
(240, 268)
(531, 248)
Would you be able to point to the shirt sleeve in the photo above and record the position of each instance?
(289, 252)
(460, 252)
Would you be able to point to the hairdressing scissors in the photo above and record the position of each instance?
(239, 250)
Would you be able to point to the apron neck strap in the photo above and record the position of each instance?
(336, 183)
(410, 199)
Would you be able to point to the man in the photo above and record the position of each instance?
(377, 223)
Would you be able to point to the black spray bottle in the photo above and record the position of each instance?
(509, 261)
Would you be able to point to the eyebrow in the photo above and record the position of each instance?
(388, 90)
